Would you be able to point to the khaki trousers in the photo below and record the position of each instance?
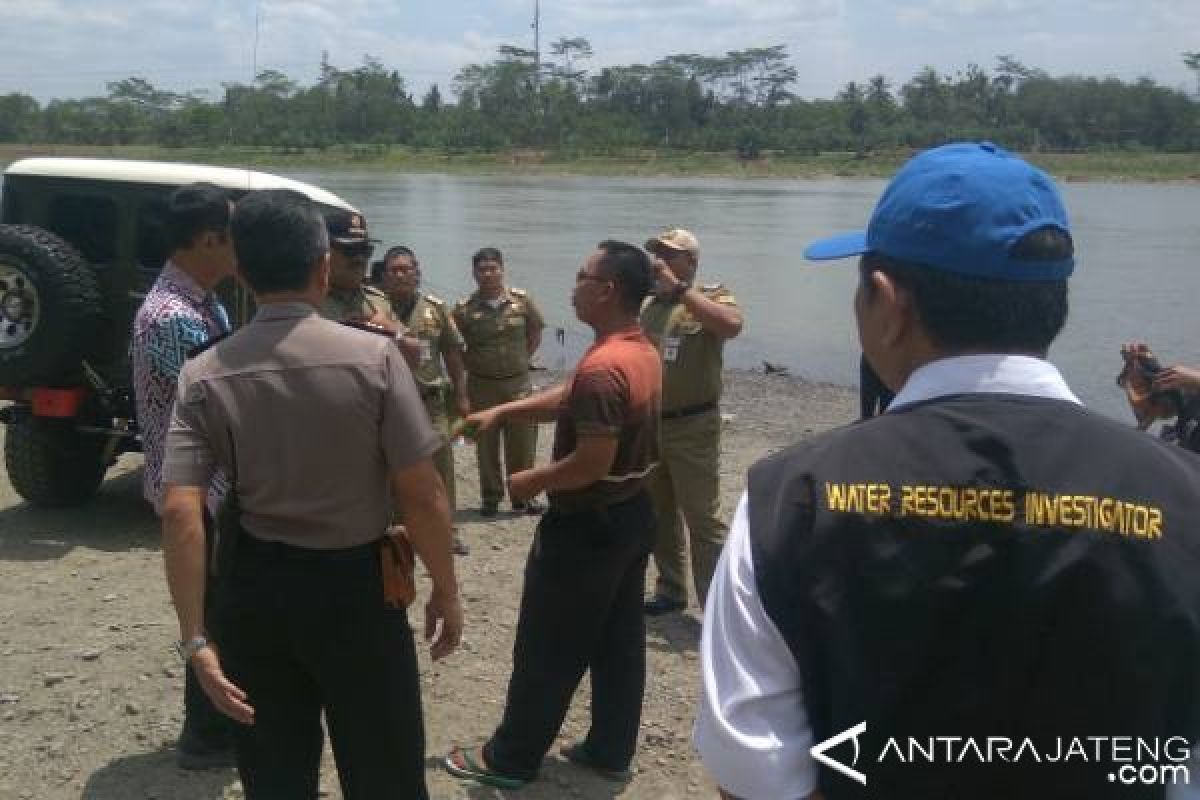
(520, 440)
(687, 484)
(443, 459)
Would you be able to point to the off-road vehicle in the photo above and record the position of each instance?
(81, 241)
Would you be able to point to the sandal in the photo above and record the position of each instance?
(461, 764)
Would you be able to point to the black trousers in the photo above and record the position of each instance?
(305, 631)
(581, 609)
(204, 727)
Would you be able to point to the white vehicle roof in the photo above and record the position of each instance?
(165, 173)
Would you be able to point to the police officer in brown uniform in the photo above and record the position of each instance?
(502, 328)
(438, 342)
(320, 428)
(689, 324)
(350, 298)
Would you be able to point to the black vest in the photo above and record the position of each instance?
(986, 566)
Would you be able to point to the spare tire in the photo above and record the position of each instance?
(50, 308)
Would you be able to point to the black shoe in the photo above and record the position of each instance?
(459, 547)
(578, 755)
(530, 507)
(192, 756)
(489, 509)
(658, 605)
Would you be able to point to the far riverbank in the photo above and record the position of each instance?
(1098, 166)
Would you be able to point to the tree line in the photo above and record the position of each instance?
(741, 101)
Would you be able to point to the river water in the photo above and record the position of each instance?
(1137, 246)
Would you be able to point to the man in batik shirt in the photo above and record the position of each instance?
(179, 314)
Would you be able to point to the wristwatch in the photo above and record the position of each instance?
(189, 648)
(680, 288)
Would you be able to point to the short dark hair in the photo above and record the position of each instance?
(278, 235)
(630, 269)
(400, 250)
(194, 210)
(964, 313)
(486, 254)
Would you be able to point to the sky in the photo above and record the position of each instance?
(72, 48)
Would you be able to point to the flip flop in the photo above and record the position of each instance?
(461, 764)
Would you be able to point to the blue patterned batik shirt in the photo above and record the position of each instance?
(177, 316)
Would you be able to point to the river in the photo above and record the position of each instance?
(1137, 246)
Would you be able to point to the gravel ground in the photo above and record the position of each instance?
(91, 691)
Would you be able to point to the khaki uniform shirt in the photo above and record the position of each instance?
(692, 356)
(356, 304)
(430, 322)
(319, 414)
(497, 346)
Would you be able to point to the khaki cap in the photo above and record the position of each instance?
(675, 239)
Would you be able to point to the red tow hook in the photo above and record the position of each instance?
(60, 403)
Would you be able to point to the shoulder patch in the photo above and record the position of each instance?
(368, 289)
(437, 301)
(363, 326)
(518, 292)
(200, 348)
(712, 287)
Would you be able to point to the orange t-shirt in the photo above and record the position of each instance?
(616, 391)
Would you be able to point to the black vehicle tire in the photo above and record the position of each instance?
(50, 308)
(51, 464)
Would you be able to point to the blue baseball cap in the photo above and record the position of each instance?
(960, 208)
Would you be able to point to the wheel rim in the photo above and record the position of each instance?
(20, 307)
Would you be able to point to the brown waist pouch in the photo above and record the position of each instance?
(398, 564)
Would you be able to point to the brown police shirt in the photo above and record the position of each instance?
(497, 336)
(359, 304)
(615, 391)
(428, 320)
(319, 414)
(692, 356)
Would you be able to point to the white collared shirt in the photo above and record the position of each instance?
(987, 374)
(752, 729)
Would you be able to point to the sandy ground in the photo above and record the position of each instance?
(91, 691)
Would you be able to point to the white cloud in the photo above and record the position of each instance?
(73, 48)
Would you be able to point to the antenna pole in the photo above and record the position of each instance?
(537, 46)
(254, 53)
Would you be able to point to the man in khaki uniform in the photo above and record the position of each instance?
(349, 298)
(689, 325)
(502, 328)
(438, 341)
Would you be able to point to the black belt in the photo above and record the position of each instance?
(278, 550)
(689, 411)
(497, 377)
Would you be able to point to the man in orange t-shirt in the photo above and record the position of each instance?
(581, 608)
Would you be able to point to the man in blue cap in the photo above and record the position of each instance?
(985, 592)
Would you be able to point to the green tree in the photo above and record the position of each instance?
(19, 117)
